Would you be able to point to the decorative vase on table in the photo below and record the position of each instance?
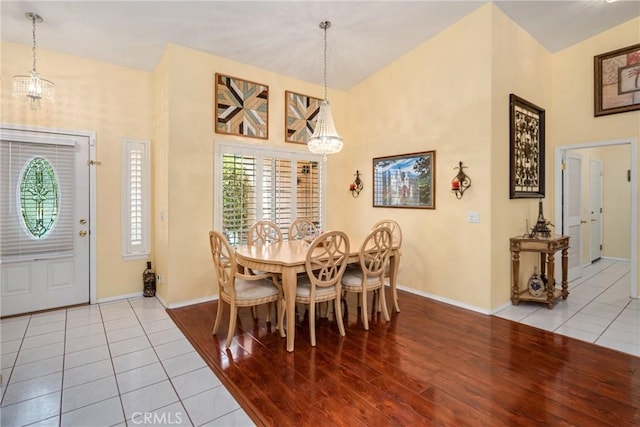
(536, 284)
(149, 280)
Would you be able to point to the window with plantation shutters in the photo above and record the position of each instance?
(135, 216)
(265, 184)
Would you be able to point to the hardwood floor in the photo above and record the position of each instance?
(433, 364)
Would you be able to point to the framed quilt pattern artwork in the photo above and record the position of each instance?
(301, 114)
(241, 107)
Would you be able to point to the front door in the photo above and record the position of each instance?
(44, 220)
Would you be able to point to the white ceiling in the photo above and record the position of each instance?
(283, 36)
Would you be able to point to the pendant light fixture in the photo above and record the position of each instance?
(32, 87)
(325, 139)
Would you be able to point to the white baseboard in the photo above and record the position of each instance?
(444, 300)
(118, 297)
(190, 302)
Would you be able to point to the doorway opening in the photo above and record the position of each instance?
(630, 174)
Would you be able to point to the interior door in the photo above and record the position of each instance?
(44, 220)
(572, 202)
(595, 210)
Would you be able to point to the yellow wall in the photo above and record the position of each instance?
(520, 65)
(433, 98)
(616, 201)
(185, 167)
(114, 102)
(572, 94)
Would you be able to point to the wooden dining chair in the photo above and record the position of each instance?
(374, 257)
(236, 289)
(396, 231)
(263, 232)
(325, 263)
(396, 234)
(302, 228)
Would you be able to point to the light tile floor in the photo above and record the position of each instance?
(598, 309)
(117, 364)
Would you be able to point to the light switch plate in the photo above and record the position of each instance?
(473, 217)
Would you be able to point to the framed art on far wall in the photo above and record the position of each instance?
(405, 181)
(617, 81)
(526, 149)
(241, 107)
(301, 114)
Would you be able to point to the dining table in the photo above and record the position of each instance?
(287, 258)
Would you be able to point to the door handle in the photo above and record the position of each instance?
(582, 221)
(83, 221)
(82, 233)
(593, 220)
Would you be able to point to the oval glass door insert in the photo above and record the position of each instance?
(39, 199)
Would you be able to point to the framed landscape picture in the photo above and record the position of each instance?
(526, 149)
(405, 181)
(241, 107)
(617, 81)
(301, 114)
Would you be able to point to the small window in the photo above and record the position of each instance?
(136, 199)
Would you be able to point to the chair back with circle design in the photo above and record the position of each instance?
(263, 232)
(326, 259)
(302, 228)
(396, 231)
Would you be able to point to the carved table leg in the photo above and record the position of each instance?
(515, 271)
(565, 265)
(550, 276)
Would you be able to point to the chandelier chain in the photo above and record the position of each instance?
(325, 59)
(33, 49)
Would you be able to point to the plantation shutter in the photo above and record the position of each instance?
(135, 199)
(263, 184)
(238, 196)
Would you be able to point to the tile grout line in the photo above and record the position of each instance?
(113, 368)
(13, 366)
(153, 347)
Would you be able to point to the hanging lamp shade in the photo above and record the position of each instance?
(325, 139)
(33, 88)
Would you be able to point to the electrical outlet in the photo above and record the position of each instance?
(473, 217)
(159, 278)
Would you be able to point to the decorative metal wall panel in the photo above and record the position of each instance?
(242, 107)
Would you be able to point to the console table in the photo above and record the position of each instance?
(546, 247)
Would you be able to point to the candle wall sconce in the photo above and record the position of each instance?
(356, 186)
(460, 182)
